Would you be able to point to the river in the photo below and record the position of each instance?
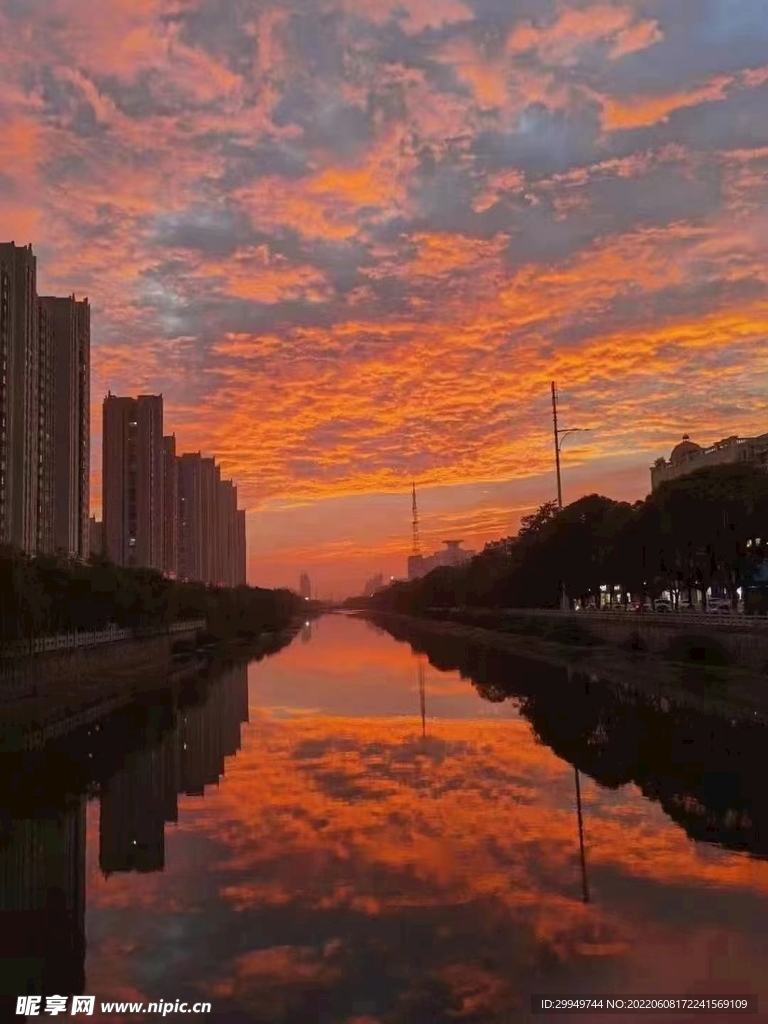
(356, 832)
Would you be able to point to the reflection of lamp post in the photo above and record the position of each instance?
(423, 700)
(560, 436)
(584, 882)
(580, 820)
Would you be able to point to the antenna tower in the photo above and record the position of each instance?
(416, 542)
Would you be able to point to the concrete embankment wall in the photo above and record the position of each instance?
(39, 694)
(735, 641)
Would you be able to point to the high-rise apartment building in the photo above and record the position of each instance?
(132, 480)
(227, 515)
(170, 507)
(70, 326)
(210, 478)
(190, 516)
(305, 586)
(45, 432)
(19, 397)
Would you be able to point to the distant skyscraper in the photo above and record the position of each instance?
(19, 397)
(170, 507)
(70, 323)
(132, 480)
(305, 586)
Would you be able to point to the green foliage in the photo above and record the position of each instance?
(692, 532)
(53, 594)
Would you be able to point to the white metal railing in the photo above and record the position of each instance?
(93, 637)
(590, 615)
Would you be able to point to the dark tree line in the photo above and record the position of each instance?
(697, 532)
(49, 594)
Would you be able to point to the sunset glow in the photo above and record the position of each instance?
(353, 242)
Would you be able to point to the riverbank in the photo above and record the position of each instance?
(52, 694)
(730, 692)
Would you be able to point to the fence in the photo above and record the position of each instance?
(93, 637)
(680, 618)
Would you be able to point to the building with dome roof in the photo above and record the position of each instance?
(687, 456)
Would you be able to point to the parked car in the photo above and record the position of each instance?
(641, 606)
(662, 605)
(719, 606)
(684, 605)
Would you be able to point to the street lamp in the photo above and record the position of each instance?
(560, 436)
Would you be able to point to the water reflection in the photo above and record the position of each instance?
(172, 744)
(705, 770)
(394, 845)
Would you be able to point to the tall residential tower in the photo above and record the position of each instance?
(132, 480)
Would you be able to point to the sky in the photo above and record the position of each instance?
(351, 242)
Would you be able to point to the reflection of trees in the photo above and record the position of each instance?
(705, 771)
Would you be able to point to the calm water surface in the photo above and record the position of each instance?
(345, 833)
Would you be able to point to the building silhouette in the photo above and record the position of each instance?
(170, 507)
(305, 587)
(132, 480)
(96, 536)
(19, 397)
(69, 324)
(687, 457)
(44, 412)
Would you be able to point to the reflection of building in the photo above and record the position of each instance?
(305, 586)
(688, 456)
(138, 800)
(42, 903)
(452, 555)
(374, 584)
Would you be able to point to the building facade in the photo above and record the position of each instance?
(19, 397)
(70, 327)
(190, 516)
(212, 569)
(687, 457)
(170, 507)
(45, 432)
(132, 480)
(96, 538)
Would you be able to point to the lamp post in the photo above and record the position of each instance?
(560, 436)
